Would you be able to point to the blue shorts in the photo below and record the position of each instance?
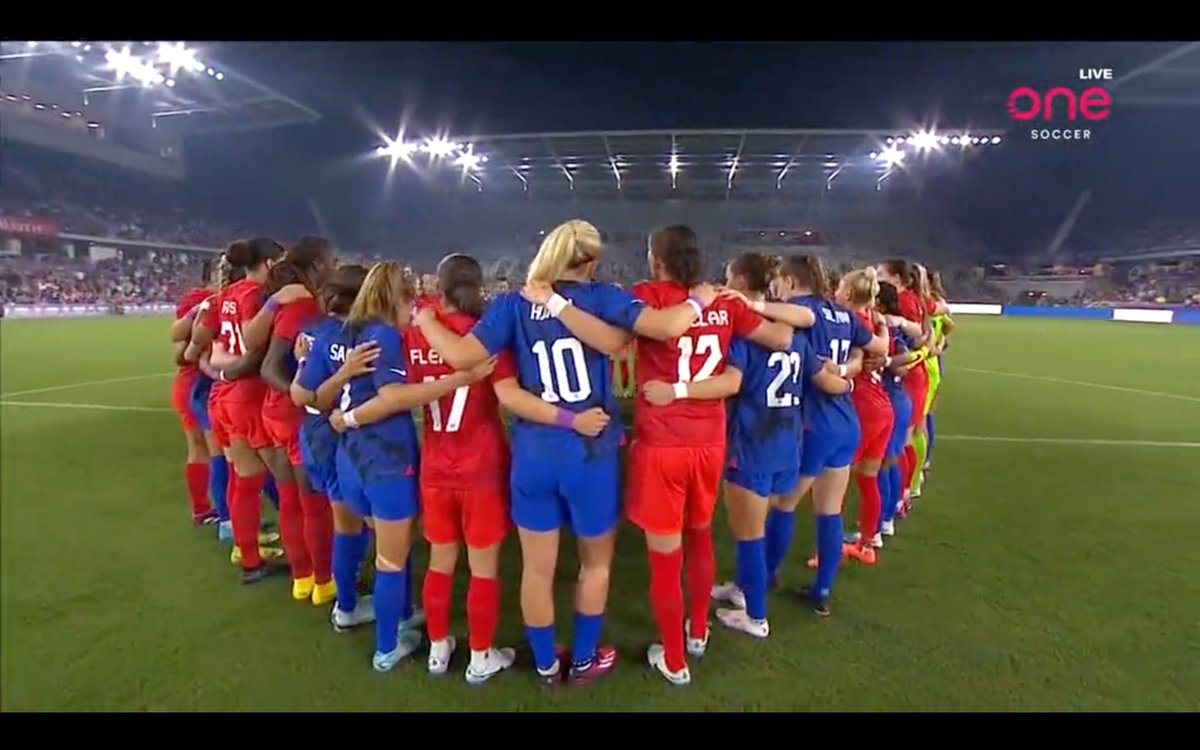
(198, 402)
(828, 450)
(321, 471)
(391, 497)
(585, 496)
(764, 483)
(902, 406)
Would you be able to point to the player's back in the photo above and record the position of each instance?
(766, 414)
(190, 299)
(464, 440)
(290, 321)
(869, 396)
(388, 446)
(697, 355)
(240, 301)
(832, 335)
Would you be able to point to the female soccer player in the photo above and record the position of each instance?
(940, 325)
(765, 427)
(197, 470)
(906, 278)
(831, 429)
(305, 519)
(464, 480)
(565, 453)
(857, 292)
(381, 445)
(239, 405)
(900, 358)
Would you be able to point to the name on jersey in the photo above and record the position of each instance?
(228, 307)
(539, 312)
(835, 316)
(337, 353)
(712, 318)
(422, 357)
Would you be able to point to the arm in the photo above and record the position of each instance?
(460, 352)
(181, 328)
(523, 404)
(774, 336)
(274, 367)
(257, 331)
(796, 316)
(398, 397)
(178, 348)
(716, 388)
(243, 366)
(359, 361)
(662, 325)
(831, 383)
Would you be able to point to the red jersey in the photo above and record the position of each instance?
(290, 319)
(912, 309)
(210, 319)
(240, 302)
(188, 301)
(697, 355)
(465, 444)
(869, 397)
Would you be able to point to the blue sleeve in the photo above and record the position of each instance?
(859, 335)
(392, 366)
(809, 361)
(902, 344)
(495, 329)
(739, 354)
(618, 307)
(315, 369)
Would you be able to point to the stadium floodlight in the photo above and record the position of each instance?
(954, 140)
(219, 76)
(170, 83)
(440, 147)
(673, 168)
(923, 140)
(995, 140)
(122, 62)
(965, 140)
(397, 149)
(874, 155)
(210, 71)
(891, 156)
(177, 56)
(469, 160)
(76, 44)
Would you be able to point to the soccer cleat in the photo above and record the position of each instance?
(819, 604)
(656, 656)
(730, 594)
(265, 569)
(302, 588)
(876, 541)
(487, 664)
(603, 662)
(416, 622)
(408, 641)
(739, 620)
(324, 593)
(696, 647)
(888, 528)
(554, 676)
(863, 553)
(440, 653)
(225, 532)
(208, 518)
(852, 538)
(266, 553)
(927, 466)
(363, 614)
(267, 538)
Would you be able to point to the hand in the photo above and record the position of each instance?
(872, 362)
(301, 347)
(727, 293)
(360, 360)
(881, 324)
(481, 370)
(658, 393)
(591, 423)
(828, 366)
(337, 421)
(706, 293)
(537, 292)
(291, 293)
(893, 321)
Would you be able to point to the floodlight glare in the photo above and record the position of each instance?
(924, 141)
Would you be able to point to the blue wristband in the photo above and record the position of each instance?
(271, 305)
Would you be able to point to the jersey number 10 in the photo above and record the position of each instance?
(556, 380)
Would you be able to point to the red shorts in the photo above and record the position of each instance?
(478, 517)
(876, 433)
(917, 392)
(244, 423)
(220, 423)
(285, 435)
(673, 488)
(181, 394)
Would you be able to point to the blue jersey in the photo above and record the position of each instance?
(317, 437)
(558, 367)
(835, 333)
(893, 383)
(766, 417)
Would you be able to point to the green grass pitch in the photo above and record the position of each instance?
(1052, 564)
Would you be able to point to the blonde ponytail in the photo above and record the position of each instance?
(861, 286)
(571, 244)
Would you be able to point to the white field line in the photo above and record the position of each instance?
(69, 386)
(94, 407)
(1085, 383)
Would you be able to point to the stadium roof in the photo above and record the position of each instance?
(1170, 80)
(662, 164)
(167, 84)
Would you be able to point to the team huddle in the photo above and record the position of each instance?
(298, 378)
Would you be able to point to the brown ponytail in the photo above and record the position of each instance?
(461, 279)
(808, 272)
(757, 269)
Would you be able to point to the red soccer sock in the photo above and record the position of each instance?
(196, 477)
(666, 601)
(483, 612)
(438, 591)
(318, 534)
(870, 505)
(291, 530)
(701, 574)
(908, 466)
(246, 514)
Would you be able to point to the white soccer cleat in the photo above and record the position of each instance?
(739, 620)
(487, 664)
(876, 541)
(440, 653)
(729, 593)
(406, 644)
(696, 647)
(657, 658)
(363, 614)
(888, 528)
(416, 621)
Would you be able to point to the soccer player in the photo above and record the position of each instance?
(857, 292)
(197, 468)
(897, 363)
(305, 519)
(831, 429)
(326, 368)
(239, 404)
(381, 446)
(765, 427)
(464, 480)
(914, 322)
(941, 325)
(565, 445)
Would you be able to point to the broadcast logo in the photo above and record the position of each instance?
(1060, 106)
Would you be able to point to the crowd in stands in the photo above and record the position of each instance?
(45, 280)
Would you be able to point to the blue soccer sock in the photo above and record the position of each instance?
(896, 485)
(587, 637)
(885, 492)
(390, 593)
(929, 432)
(218, 485)
(348, 551)
(781, 526)
(751, 576)
(272, 492)
(829, 553)
(407, 611)
(541, 642)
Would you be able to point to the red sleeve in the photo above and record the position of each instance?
(744, 320)
(208, 317)
(645, 292)
(910, 307)
(294, 316)
(506, 367)
(188, 301)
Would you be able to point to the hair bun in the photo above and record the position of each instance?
(239, 254)
(872, 273)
